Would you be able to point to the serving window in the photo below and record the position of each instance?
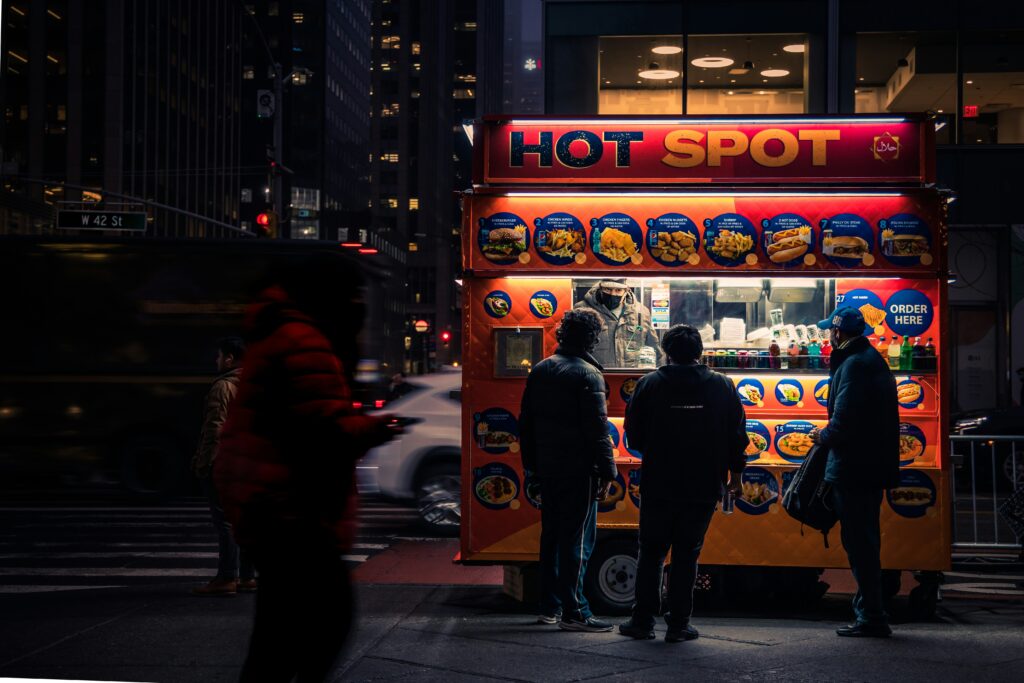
(732, 314)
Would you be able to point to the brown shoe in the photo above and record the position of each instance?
(217, 587)
(247, 586)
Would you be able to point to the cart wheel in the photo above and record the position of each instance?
(611, 576)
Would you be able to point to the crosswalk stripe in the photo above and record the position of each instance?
(36, 588)
(128, 572)
(100, 556)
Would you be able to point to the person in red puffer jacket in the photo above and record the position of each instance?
(286, 464)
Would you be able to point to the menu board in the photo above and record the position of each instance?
(874, 233)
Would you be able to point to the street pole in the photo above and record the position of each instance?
(278, 142)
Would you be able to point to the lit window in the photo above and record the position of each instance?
(414, 203)
(413, 246)
(248, 73)
(298, 17)
(466, 78)
(415, 48)
(392, 202)
(390, 42)
(389, 156)
(466, 26)
(463, 94)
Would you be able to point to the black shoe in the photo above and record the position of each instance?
(865, 631)
(677, 634)
(588, 625)
(633, 631)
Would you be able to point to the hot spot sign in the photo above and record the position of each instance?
(819, 150)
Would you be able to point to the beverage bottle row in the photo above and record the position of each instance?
(907, 356)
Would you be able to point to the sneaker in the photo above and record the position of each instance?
(633, 631)
(677, 634)
(588, 625)
(550, 618)
(864, 631)
(217, 587)
(247, 585)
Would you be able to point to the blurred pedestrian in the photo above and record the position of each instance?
(688, 423)
(564, 440)
(286, 466)
(398, 387)
(234, 569)
(863, 440)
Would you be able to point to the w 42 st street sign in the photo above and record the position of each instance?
(101, 220)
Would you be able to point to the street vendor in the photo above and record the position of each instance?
(627, 324)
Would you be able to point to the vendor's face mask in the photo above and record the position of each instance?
(611, 301)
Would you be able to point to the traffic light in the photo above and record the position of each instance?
(266, 225)
(446, 337)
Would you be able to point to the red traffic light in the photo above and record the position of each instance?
(263, 219)
(446, 335)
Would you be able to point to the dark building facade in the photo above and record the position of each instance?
(962, 61)
(424, 88)
(122, 100)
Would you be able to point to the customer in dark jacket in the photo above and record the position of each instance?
(285, 470)
(235, 571)
(564, 440)
(688, 423)
(862, 438)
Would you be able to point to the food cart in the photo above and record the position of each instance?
(749, 229)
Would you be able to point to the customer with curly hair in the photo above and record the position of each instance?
(564, 441)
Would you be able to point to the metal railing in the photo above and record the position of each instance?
(986, 471)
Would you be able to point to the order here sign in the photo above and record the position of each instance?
(707, 150)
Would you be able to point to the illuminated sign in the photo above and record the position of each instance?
(715, 150)
(970, 111)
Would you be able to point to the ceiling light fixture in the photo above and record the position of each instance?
(970, 82)
(713, 62)
(795, 47)
(655, 73)
(774, 73)
(666, 50)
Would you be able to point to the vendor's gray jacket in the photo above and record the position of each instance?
(623, 336)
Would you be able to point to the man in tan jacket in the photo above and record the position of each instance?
(235, 572)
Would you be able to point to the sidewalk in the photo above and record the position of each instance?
(473, 633)
(470, 634)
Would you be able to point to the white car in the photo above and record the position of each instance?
(423, 466)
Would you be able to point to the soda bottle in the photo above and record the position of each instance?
(814, 355)
(930, 359)
(794, 355)
(804, 354)
(906, 354)
(883, 348)
(894, 354)
(728, 503)
(826, 353)
(774, 351)
(917, 360)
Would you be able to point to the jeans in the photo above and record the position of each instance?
(858, 510)
(568, 519)
(303, 609)
(232, 563)
(680, 525)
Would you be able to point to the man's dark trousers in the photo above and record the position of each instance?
(568, 519)
(858, 509)
(680, 525)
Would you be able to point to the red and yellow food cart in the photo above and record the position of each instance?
(751, 230)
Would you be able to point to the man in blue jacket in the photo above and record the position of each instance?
(563, 426)
(862, 438)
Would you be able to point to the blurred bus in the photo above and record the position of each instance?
(107, 348)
